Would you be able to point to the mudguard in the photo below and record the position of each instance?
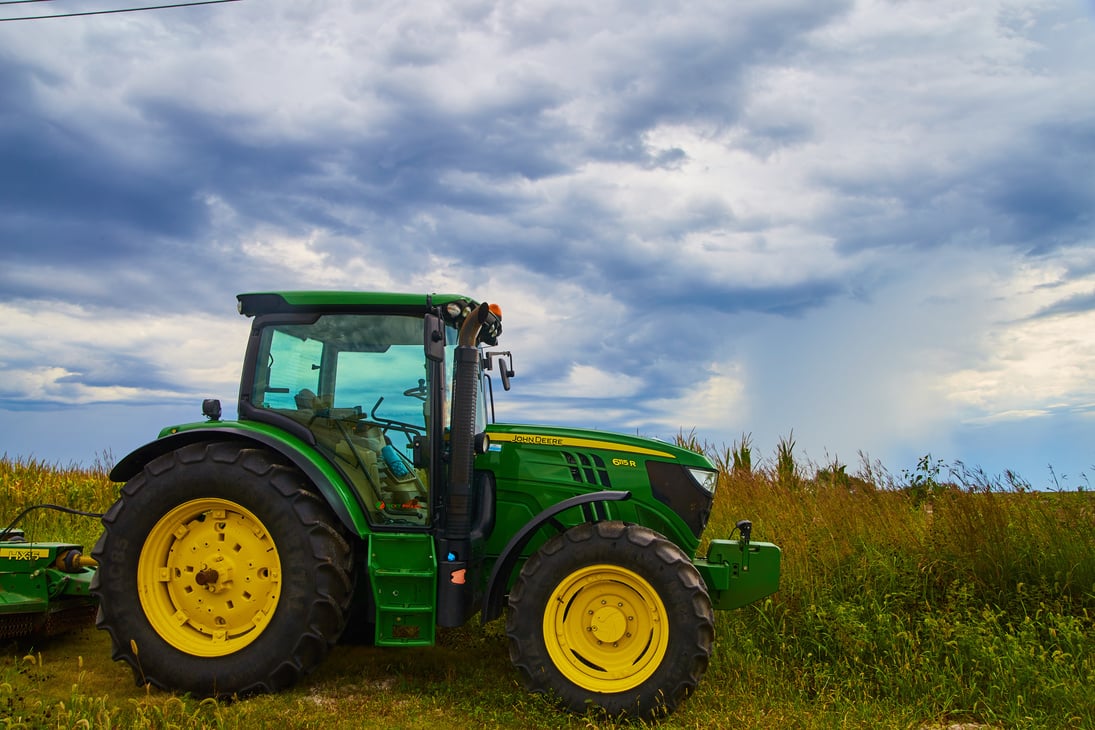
(593, 509)
(319, 472)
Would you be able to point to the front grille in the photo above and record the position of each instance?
(674, 486)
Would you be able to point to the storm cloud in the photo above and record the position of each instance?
(869, 222)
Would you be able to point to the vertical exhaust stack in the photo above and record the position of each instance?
(456, 589)
(462, 437)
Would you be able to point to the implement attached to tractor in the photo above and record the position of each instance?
(44, 587)
(364, 489)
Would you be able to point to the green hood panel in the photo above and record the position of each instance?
(583, 438)
(538, 466)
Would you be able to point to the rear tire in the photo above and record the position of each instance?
(614, 616)
(220, 573)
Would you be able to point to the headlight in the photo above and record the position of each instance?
(705, 478)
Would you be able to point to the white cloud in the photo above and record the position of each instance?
(71, 355)
(545, 321)
(1031, 362)
(707, 405)
(40, 385)
(589, 381)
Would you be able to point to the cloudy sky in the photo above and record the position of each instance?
(865, 223)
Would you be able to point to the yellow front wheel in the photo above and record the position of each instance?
(605, 628)
(209, 577)
(611, 615)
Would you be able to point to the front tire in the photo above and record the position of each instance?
(221, 573)
(611, 615)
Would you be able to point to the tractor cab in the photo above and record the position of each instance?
(390, 394)
(361, 388)
(370, 389)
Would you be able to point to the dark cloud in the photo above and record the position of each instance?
(697, 72)
(1076, 304)
(156, 198)
(764, 138)
(18, 82)
(118, 371)
(61, 188)
(1044, 188)
(460, 166)
(1035, 195)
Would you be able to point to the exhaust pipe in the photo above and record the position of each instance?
(462, 438)
(455, 588)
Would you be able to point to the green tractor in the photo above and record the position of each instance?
(364, 490)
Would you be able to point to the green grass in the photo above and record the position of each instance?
(936, 598)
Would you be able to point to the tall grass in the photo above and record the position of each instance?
(966, 597)
(915, 601)
(26, 483)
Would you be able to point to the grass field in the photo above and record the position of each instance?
(936, 598)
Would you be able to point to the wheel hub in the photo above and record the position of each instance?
(209, 577)
(608, 623)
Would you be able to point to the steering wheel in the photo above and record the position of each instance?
(419, 391)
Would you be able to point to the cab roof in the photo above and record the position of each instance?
(256, 303)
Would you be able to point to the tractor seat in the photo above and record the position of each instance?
(305, 399)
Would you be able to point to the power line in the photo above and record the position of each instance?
(107, 12)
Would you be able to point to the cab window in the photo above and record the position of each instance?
(360, 384)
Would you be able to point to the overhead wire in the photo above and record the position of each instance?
(106, 12)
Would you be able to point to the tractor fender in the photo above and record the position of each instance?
(593, 509)
(336, 495)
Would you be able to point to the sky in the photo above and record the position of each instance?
(862, 225)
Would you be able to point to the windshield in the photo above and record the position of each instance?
(360, 384)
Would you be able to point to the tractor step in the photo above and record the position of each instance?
(403, 573)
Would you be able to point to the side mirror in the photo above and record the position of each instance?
(505, 366)
(434, 338)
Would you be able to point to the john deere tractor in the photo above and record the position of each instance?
(365, 489)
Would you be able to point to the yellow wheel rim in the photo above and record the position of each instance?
(209, 577)
(606, 629)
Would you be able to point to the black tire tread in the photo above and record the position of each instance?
(268, 668)
(689, 607)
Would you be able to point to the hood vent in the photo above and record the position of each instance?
(587, 469)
